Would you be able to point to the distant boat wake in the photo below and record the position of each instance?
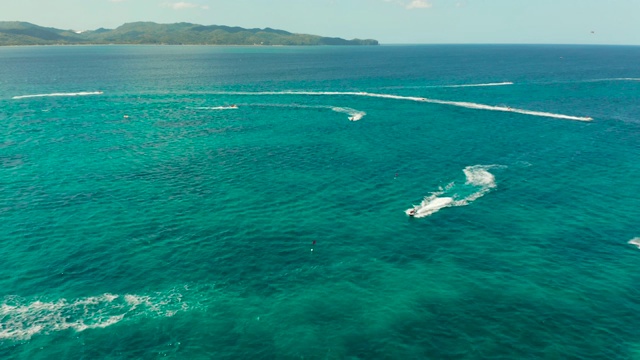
(635, 241)
(504, 83)
(215, 108)
(479, 181)
(463, 104)
(478, 85)
(613, 79)
(82, 93)
(353, 114)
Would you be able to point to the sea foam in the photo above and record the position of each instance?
(635, 241)
(21, 319)
(478, 182)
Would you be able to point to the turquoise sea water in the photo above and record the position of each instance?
(143, 216)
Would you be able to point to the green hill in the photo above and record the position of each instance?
(23, 33)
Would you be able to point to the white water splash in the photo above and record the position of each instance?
(354, 115)
(635, 241)
(479, 181)
(463, 104)
(21, 319)
(82, 93)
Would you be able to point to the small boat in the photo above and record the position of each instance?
(411, 212)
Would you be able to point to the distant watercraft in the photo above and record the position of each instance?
(356, 117)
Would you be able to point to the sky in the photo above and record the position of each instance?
(388, 21)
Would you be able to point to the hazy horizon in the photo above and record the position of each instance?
(388, 21)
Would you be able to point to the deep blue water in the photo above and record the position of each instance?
(196, 202)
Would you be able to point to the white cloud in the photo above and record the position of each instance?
(418, 4)
(184, 5)
(412, 4)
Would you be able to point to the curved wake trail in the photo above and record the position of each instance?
(354, 115)
(479, 181)
(468, 105)
(82, 93)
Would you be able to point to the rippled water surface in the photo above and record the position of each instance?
(253, 202)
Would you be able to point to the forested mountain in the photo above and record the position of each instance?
(23, 33)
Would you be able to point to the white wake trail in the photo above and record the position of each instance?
(354, 115)
(20, 319)
(504, 83)
(82, 93)
(614, 79)
(478, 182)
(468, 105)
(215, 108)
(508, 109)
(476, 85)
